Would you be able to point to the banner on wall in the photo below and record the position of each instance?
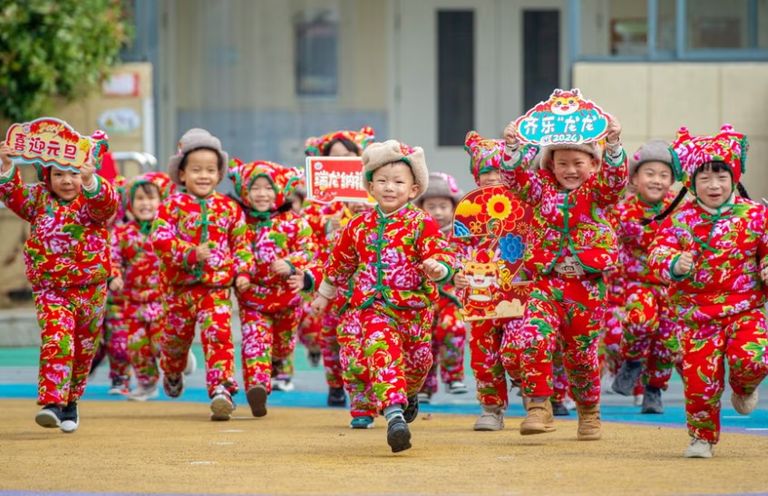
(331, 179)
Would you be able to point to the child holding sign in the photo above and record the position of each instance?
(203, 243)
(67, 259)
(396, 255)
(712, 251)
(572, 190)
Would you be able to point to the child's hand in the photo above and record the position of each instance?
(296, 281)
(116, 285)
(280, 267)
(242, 283)
(433, 269)
(614, 131)
(5, 157)
(86, 173)
(510, 135)
(460, 280)
(684, 264)
(319, 304)
(203, 253)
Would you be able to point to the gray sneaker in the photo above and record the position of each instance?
(698, 449)
(626, 377)
(652, 400)
(492, 419)
(222, 405)
(744, 403)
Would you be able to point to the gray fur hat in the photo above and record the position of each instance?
(377, 155)
(547, 152)
(192, 140)
(441, 185)
(653, 151)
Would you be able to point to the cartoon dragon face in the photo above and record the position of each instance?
(481, 275)
(565, 102)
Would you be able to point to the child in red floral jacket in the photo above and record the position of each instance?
(396, 255)
(713, 251)
(137, 277)
(67, 259)
(203, 244)
(281, 243)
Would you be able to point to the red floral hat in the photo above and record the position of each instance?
(691, 152)
(315, 147)
(284, 179)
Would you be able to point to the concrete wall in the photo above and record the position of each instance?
(654, 100)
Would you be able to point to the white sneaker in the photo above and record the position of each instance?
(425, 398)
(283, 384)
(638, 401)
(744, 403)
(70, 418)
(698, 449)
(569, 403)
(492, 419)
(457, 387)
(222, 405)
(142, 393)
(191, 364)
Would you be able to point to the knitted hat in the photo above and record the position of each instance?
(284, 179)
(195, 139)
(653, 151)
(441, 185)
(380, 154)
(592, 149)
(315, 147)
(485, 154)
(691, 152)
(160, 179)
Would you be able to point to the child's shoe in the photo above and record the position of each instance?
(49, 416)
(744, 403)
(492, 419)
(120, 385)
(173, 386)
(70, 418)
(559, 409)
(336, 397)
(283, 383)
(314, 358)
(364, 422)
(590, 426)
(652, 400)
(191, 366)
(539, 419)
(425, 397)
(638, 400)
(398, 435)
(222, 405)
(257, 400)
(144, 393)
(457, 387)
(412, 410)
(626, 377)
(698, 448)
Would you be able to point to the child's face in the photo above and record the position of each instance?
(356, 207)
(392, 186)
(201, 173)
(713, 188)
(262, 195)
(144, 205)
(339, 150)
(572, 167)
(490, 178)
(297, 203)
(652, 181)
(65, 184)
(441, 209)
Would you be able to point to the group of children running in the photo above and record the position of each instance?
(374, 290)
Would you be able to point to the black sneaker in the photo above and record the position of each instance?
(398, 435)
(314, 358)
(626, 377)
(49, 416)
(257, 400)
(652, 400)
(559, 409)
(70, 418)
(173, 387)
(336, 397)
(412, 410)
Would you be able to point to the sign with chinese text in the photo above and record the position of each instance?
(565, 118)
(51, 142)
(497, 225)
(332, 179)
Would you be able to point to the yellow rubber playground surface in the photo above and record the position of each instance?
(172, 448)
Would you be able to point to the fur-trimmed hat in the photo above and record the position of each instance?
(165, 186)
(653, 151)
(284, 179)
(317, 146)
(547, 152)
(485, 154)
(691, 152)
(442, 185)
(192, 140)
(380, 154)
